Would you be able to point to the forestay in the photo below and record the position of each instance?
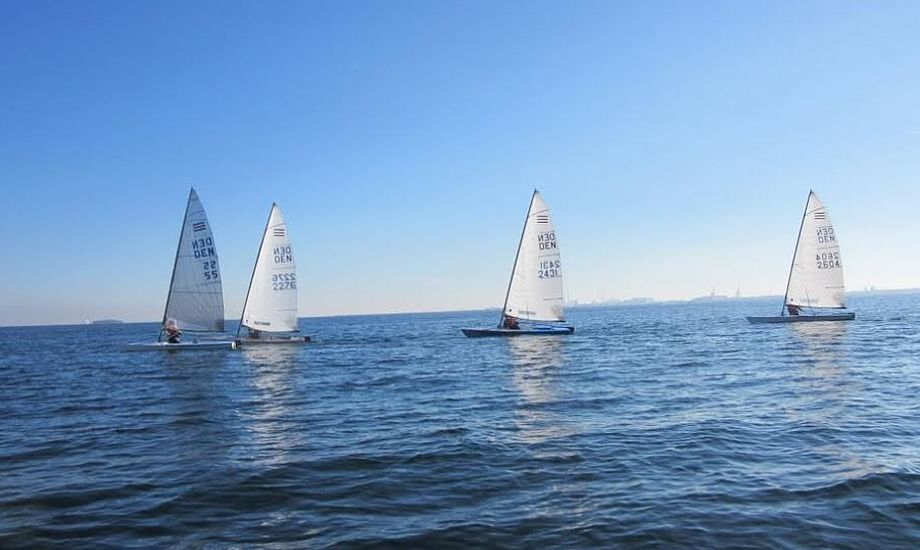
(816, 277)
(535, 290)
(196, 298)
(271, 304)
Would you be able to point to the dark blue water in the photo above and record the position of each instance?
(660, 425)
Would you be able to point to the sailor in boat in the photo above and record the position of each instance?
(511, 323)
(255, 334)
(172, 332)
(793, 309)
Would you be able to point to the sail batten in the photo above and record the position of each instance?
(816, 275)
(535, 290)
(196, 300)
(271, 303)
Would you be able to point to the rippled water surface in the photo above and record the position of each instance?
(657, 425)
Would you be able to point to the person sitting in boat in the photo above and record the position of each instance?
(511, 323)
(255, 334)
(172, 332)
(794, 310)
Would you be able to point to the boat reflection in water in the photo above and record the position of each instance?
(551, 440)
(827, 406)
(537, 372)
(820, 346)
(268, 417)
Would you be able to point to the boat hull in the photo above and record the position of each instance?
(535, 331)
(290, 341)
(802, 318)
(181, 346)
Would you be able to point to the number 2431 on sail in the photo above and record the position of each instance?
(549, 269)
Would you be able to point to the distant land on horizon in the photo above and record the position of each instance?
(611, 302)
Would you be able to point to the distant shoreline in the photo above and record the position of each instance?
(627, 302)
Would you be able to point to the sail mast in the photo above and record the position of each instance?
(255, 265)
(172, 279)
(516, 256)
(795, 252)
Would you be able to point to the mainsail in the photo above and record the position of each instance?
(271, 303)
(196, 298)
(535, 290)
(816, 276)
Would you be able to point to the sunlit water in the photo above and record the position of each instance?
(657, 425)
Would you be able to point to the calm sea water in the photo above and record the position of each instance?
(655, 425)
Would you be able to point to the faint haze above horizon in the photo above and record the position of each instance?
(675, 143)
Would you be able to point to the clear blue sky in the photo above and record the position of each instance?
(675, 142)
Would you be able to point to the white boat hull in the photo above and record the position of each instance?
(166, 346)
(287, 341)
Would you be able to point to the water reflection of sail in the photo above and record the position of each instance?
(268, 416)
(536, 363)
(821, 343)
(826, 389)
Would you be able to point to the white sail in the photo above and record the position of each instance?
(535, 291)
(271, 304)
(196, 297)
(816, 277)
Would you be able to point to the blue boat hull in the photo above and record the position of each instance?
(533, 331)
(803, 318)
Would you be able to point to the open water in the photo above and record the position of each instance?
(653, 425)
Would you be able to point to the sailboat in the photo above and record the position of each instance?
(816, 276)
(534, 300)
(270, 309)
(195, 302)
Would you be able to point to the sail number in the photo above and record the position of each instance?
(826, 235)
(549, 269)
(547, 241)
(284, 281)
(828, 260)
(210, 270)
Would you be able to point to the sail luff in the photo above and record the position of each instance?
(795, 251)
(172, 278)
(517, 256)
(255, 265)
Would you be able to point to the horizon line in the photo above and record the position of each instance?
(608, 302)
